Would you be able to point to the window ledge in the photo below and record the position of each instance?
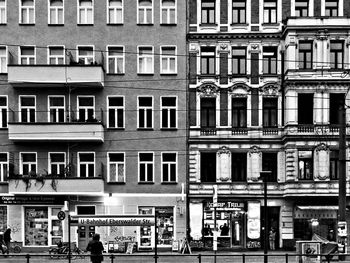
(146, 182)
(171, 73)
(115, 24)
(168, 129)
(149, 74)
(145, 129)
(85, 24)
(27, 24)
(145, 24)
(3, 24)
(270, 24)
(169, 183)
(203, 25)
(55, 25)
(270, 75)
(120, 183)
(116, 74)
(239, 24)
(116, 129)
(168, 24)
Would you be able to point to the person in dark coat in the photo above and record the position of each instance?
(7, 239)
(95, 247)
(2, 243)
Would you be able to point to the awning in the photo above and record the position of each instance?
(318, 207)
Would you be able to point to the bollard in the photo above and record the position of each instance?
(112, 258)
(199, 258)
(27, 257)
(243, 258)
(286, 258)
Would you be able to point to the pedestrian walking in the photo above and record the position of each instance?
(7, 239)
(95, 247)
(272, 238)
(3, 247)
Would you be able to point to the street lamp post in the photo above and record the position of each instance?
(264, 175)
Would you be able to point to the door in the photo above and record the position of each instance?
(85, 234)
(237, 229)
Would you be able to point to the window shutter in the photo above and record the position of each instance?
(192, 104)
(255, 107)
(223, 107)
(193, 68)
(223, 68)
(223, 11)
(193, 11)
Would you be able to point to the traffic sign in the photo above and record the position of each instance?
(61, 215)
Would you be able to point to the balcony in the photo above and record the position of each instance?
(56, 75)
(313, 188)
(55, 185)
(313, 130)
(236, 132)
(70, 129)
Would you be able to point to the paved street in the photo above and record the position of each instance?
(206, 257)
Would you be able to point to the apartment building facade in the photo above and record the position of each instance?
(93, 121)
(266, 78)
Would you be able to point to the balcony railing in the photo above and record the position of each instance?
(239, 131)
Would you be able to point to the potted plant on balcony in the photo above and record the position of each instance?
(26, 180)
(40, 179)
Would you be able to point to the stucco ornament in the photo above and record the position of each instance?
(208, 90)
(254, 150)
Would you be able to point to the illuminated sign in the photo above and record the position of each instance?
(110, 220)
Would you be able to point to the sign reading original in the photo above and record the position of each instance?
(110, 220)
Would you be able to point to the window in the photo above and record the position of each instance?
(239, 167)
(116, 167)
(57, 163)
(301, 8)
(146, 167)
(27, 55)
(239, 60)
(168, 60)
(305, 55)
(168, 12)
(208, 112)
(305, 108)
(27, 163)
(115, 12)
(115, 112)
(305, 165)
(169, 167)
(3, 17)
(86, 108)
(331, 7)
(85, 12)
(145, 9)
(334, 165)
(208, 167)
(208, 61)
(208, 11)
(270, 109)
(239, 112)
(27, 108)
(27, 12)
(4, 165)
(145, 112)
(86, 55)
(3, 60)
(335, 100)
(56, 15)
(269, 163)
(115, 59)
(270, 11)
(238, 11)
(337, 55)
(56, 109)
(86, 210)
(86, 164)
(145, 60)
(168, 112)
(270, 60)
(56, 55)
(3, 112)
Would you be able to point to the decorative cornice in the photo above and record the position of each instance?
(224, 150)
(237, 86)
(322, 147)
(208, 90)
(270, 89)
(322, 34)
(254, 149)
(228, 36)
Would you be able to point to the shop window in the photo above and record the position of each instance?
(239, 167)
(337, 55)
(269, 163)
(270, 109)
(334, 165)
(208, 113)
(305, 163)
(146, 231)
(305, 108)
(208, 167)
(36, 225)
(335, 101)
(165, 224)
(3, 218)
(56, 227)
(239, 112)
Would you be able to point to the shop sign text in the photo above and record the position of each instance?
(227, 205)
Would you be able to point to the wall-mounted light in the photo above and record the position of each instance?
(314, 222)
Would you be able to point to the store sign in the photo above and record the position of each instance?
(226, 205)
(21, 200)
(110, 220)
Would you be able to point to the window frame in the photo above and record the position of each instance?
(239, 59)
(27, 13)
(56, 10)
(85, 107)
(145, 108)
(238, 9)
(270, 112)
(242, 166)
(115, 59)
(168, 108)
(26, 107)
(3, 20)
(20, 56)
(146, 163)
(6, 59)
(139, 57)
(205, 112)
(29, 163)
(168, 59)
(49, 169)
(336, 52)
(56, 108)
(208, 10)
(299, 9)
(309, 160)
(4, 125)
(334, 161)
(271, 19)
(117, 163)
(270, 59)
(79, 47)
(331, 8)
(86, 163)
(79, 8)
(115, 9)
(144, 22)
(4, 173)
(116, 108)
(169, 163)
(239, 112)
(208, 58)
(304, 53)
(168, 10)
(56, 57)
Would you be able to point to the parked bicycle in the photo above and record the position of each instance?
(61, 251)
(15, 247)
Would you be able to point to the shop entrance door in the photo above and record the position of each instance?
(85, 234)
(237, 230)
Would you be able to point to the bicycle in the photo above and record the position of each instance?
(62, 251)
(15, 247)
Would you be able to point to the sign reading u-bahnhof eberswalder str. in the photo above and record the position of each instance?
(113, 220)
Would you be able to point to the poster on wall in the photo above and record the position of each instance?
(253, 225)
(310, 252)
